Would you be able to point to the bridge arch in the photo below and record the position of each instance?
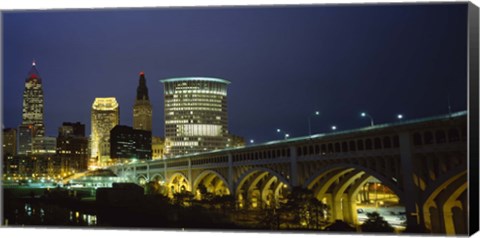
(338, 186)
(178, 183)
(343, 166)
(260, 187)
(213, 181)
(141, 179)
(445, 208)
(128, 173)
(157, 177)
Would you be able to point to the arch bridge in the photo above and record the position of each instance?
(424, 162)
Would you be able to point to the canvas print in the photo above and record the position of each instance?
(302, 118)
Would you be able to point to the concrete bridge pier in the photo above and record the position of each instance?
(410, 191)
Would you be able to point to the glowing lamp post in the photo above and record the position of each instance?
(364, 114)
(399, 116)
(285, 136)
(309, 122)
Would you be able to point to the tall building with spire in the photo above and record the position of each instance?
(32, 115)
(142, 110)
(105, 116)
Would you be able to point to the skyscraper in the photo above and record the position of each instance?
(33, 102)
(195, 114)
(105, 116)
(142, 110)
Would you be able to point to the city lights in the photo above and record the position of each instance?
(177, 160)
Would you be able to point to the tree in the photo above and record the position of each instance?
(307, 211)
(376, 223)
(183, 198)
(339, 225)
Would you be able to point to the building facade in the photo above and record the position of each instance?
(25, 135)
(72, 147)
(158, 146)
(142, 110)
(33, 103)
(105, 116)
(195, 115)
(235, 141)
(44, 145)
(9, 141)
(128, 144)
(9, 148)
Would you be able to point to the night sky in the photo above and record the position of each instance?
(284, 62)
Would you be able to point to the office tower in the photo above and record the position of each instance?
(9, 141)
(105, 116)
(44, 145)
(142, 110)
(72, 147)
(33, 102)
(195, 114)
(25, 135)
(9, 148)
(127, 144)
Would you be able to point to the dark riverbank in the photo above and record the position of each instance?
(60, 207)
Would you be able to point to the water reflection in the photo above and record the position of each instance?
(45, 214)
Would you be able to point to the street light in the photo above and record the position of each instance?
(285, 136)
(400, 116)
(279, 131)
(334, 128)
(364, 114)
(252, 141)
(309, 123)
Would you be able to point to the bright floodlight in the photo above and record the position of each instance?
(334, 127)
(287, 135)
(400, 116)
(278, 130)
(363, 114)
(317, 113)
(251, 141)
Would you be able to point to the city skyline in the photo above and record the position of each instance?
(284, 63)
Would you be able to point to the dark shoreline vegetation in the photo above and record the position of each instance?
(60, 207)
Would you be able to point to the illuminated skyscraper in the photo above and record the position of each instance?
(142, 110)
(195, 115)
(105, 116)
(33, 102)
